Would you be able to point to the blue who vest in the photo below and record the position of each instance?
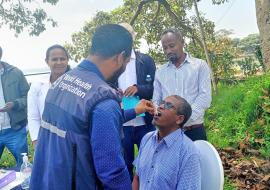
(63, 158)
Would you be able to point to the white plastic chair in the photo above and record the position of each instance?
(211, 166)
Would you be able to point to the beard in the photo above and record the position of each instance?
(114, 79)
(173, 58)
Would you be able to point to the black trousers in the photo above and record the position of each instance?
(197, 133)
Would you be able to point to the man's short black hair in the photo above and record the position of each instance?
(176, 32)
(183, 109)
(110, 40)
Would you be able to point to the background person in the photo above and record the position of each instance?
(13, 116)
(57, 59)
(187, 77)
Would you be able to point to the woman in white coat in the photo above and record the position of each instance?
(57, 59)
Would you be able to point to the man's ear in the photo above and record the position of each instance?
(118, 58)
(121, 57)
(180, 119)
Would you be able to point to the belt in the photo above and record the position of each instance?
(187, 128)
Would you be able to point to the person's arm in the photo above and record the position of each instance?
(190, 177)
(33, 112)
(129, 115)
(106, 146)
(135, 183)
(142, 107)
(21, 103)
(203, 100)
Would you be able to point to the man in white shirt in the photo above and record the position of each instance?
(136, 83)
(187, 77)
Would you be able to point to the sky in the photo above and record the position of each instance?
(26, 52)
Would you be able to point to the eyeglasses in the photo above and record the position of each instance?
(166, 105)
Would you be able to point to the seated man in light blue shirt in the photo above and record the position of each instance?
(167, 158)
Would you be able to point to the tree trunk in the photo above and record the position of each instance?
(263, 22)
(204, 46)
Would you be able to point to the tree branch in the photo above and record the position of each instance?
(139, 10)
(154, 20)
(157, 13)
(178, 20)
(167, 7)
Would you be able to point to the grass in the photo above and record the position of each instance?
(234, 110)
(228, 185)
(7, 159)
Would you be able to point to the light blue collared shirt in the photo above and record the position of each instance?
(171, 164)
(190, 81)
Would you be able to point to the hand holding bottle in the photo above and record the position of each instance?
(144, 106)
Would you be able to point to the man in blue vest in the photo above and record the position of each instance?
(80, 137)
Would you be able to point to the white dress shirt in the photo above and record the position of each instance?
(191, 80)
(127, 79)
(35, 106)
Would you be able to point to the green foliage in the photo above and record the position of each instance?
(19, 16)
(261, 127)
(258, 54)
(150, 23)
(229, 55)
(248, 44)
(249, 66)
(250, 47)
(228, 185)
(222, 53)
(7, 159)
(81, 40)
(235, 111)
(154, 19)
